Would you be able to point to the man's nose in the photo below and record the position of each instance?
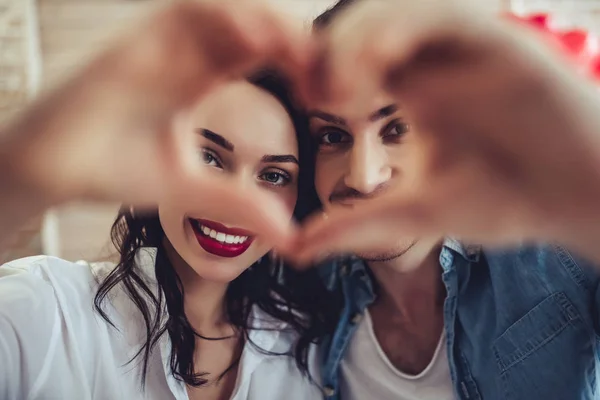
(368, 166)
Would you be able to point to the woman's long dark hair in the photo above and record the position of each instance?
(310, 314)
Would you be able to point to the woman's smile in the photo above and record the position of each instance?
(217, 239)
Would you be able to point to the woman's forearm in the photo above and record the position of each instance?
(19, 201)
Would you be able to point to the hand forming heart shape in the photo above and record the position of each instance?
(509, 144)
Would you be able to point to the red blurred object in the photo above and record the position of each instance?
(575, 41)
(577, 44)
(538, 20)
(594, 67)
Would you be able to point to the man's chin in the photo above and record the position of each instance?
(388, 255)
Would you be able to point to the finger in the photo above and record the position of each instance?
(258, 212)
(372, 227)
(234, 39)
(372, 39)
(189, 47)
(252, 209)
(288, 50)
(289, 47)
(251, 33)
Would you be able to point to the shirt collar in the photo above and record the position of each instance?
(351, 265)
(340, 266)
(469, 252)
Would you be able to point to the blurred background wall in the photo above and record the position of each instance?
(41, 41)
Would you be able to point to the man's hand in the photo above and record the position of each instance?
(509, 135)
(110, 133)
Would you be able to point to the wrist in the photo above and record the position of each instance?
(19, 203)
(580, 231)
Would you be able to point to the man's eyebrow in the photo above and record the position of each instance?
(334, 119)
(383, 112)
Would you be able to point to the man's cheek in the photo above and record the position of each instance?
(321, 185)
(323, 196)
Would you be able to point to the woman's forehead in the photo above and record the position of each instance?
(246, 115)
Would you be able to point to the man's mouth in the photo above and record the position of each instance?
(346, 204)
(220, 240)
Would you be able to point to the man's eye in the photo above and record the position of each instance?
(334, 137)
(397, 128)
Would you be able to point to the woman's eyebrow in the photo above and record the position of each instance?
(283, 158)
(216, 139)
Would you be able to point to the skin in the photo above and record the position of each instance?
(255, 125)
(358, 160)
(123, 105)
(483, 92)
(507, 149)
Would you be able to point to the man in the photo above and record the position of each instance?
(427, 318)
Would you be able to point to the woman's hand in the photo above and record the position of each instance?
(110, 132)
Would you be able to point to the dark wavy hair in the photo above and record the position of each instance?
(260, 285)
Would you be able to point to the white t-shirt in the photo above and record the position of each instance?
(368, 374)
(54, 345)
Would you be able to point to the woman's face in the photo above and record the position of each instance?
(244, 132)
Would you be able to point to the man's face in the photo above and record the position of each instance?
(360, 157)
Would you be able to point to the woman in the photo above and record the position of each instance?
(194, 308)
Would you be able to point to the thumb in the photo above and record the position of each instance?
(373, 227)
(252, 209)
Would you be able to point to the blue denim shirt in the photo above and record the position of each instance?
(520, 324)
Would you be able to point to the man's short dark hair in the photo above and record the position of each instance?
(324, 20)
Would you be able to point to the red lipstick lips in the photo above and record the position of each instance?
(217, 239)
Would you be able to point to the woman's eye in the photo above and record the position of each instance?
(210, 159)
(275, 178)
(334, 137)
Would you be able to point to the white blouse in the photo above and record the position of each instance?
(54, 345)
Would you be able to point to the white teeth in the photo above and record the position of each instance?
(223, 237)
